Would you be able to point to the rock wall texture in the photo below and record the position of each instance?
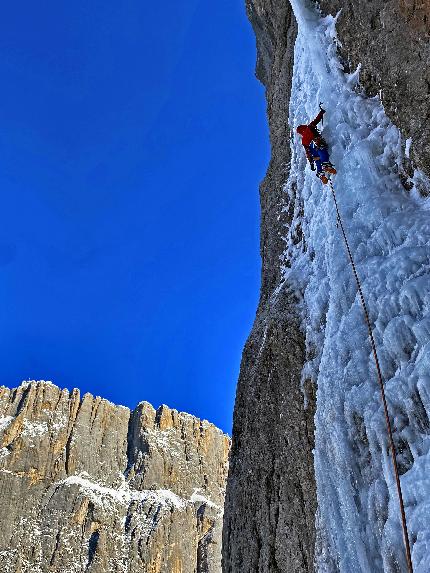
(390, 39)
(87, 486)
(271, 498)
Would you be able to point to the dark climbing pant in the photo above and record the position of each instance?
(320, 156)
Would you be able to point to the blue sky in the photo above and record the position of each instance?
(133, 138)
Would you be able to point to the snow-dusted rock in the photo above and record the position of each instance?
(89, 486)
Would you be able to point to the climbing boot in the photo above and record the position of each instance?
(323, 178)
(329, 168)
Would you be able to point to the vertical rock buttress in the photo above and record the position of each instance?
(271, 499)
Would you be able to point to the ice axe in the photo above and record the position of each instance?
(321, 108)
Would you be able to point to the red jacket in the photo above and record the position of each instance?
(308, 132)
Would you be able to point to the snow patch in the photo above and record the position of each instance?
(5, 422)
(26, 383)
(199, 498)
(4, 452)
(124, 495)
(34, 429)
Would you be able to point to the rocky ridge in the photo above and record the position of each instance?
(87, 486)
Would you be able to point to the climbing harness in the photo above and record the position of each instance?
(381, 384)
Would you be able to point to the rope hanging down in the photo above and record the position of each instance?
(381, 384)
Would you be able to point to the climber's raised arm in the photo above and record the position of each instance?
(318, 118)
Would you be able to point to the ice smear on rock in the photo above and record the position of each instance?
(389, 232)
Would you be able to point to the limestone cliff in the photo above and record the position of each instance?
(299, 347)
(271, 499)
(87, 486)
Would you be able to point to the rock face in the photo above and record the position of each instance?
(87, 486)
(271, 499)
(390, 39)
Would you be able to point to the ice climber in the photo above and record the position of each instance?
(316, 148)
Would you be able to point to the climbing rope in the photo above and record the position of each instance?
(381, 384)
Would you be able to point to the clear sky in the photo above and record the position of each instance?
(132, 141)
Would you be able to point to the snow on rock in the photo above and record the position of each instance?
(202, 499)
(34, 429)
(4, 422)
(389, 232)
(124, 495)
(26, 383)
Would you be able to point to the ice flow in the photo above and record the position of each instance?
(358, 520)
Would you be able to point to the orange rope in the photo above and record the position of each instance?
(381, 384)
